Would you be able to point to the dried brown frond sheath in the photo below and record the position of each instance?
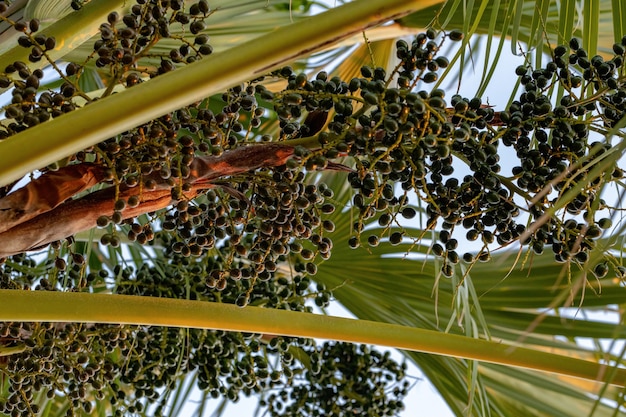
(42, 212)
(47, 192)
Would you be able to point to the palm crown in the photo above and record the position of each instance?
(459, 325)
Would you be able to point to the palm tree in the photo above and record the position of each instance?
(495, 338)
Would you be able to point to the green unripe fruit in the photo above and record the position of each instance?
(370, 98)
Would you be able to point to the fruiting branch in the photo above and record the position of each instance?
(43, 211)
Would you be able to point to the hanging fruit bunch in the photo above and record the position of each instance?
(226, 204)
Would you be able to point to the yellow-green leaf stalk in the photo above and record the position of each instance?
(44, 306)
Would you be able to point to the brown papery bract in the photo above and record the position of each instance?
(42, 211)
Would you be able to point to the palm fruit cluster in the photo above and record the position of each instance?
(232, 243)
(136, 368)
(398, 134)
(225, 246)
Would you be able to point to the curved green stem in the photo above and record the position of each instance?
(38, 306)
(13, 350)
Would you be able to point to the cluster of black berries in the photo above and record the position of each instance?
(260, 228)
(142, 159)
(261, 215)
(352, 392)
(263, 227)
(38, 43)
(27, 108)
(60, 360)
(127, 39)
(124, 41)
(137, 368)
(205, 278)
(414, 138)
(551, 142)
(421, 57)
